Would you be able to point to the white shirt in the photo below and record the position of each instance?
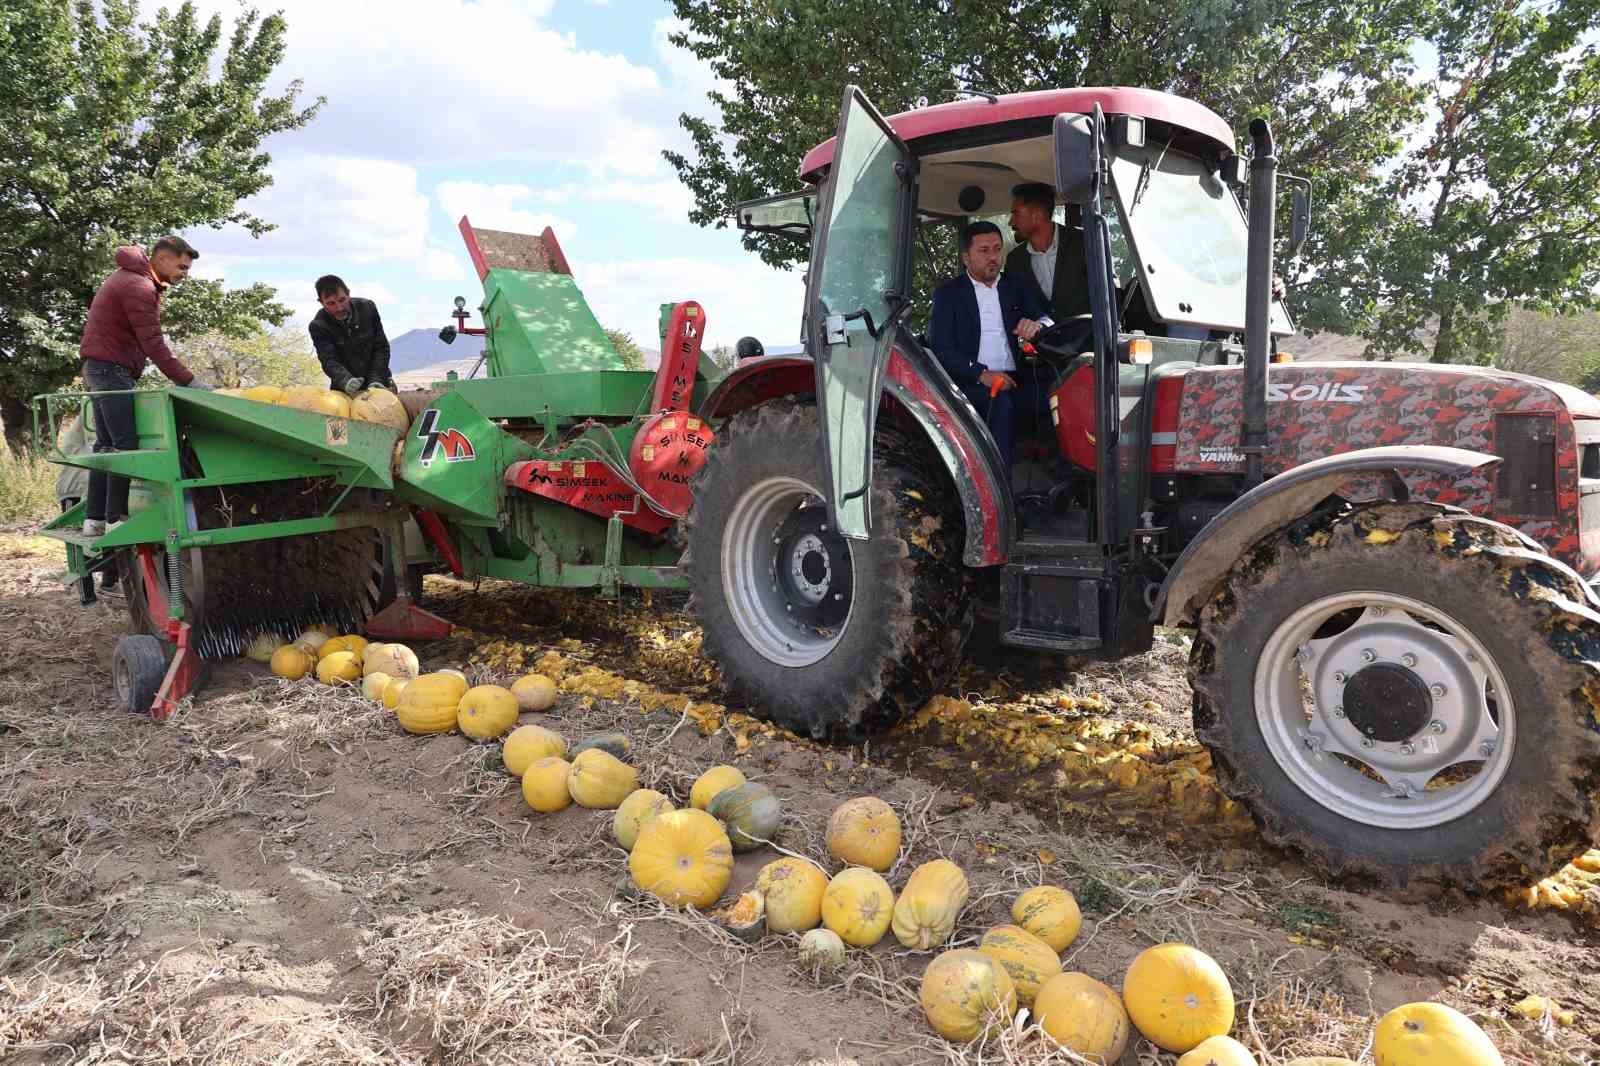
(993, 351)
(1044, 263)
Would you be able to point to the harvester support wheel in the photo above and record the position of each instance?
(137, 669)
(1406, 693)
(833, 638)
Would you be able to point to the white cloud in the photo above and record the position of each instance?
(748, 299)
(429, 80)
(333, 209)
(500, 206)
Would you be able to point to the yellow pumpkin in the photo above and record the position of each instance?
(599, 780)
(293, 662)
(1027, 959)
(1049, 913)
(372, 686)
(354, 644)
(1218, 1051)
(714, 780)
(317, 399)
(457, 674)
(428, 704)
(1177, 996)
(312, 640)
(858, 904)
(264, 394)
(641, 806)
(232, 390)
(534, 692)
(864, 832)
(380, 406)
(1083, 1016)
(682, 858)
(529, 742)
(1320, 1060)
(926, 912)
(964, 991)
(396, 660)
(339, 667)
(262, 645)
(544, 784)
(486, 712)
(793, 888)
(1421, 1034)
(393, 691)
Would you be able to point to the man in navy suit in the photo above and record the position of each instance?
(977, 318)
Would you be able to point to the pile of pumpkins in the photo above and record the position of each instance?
(370, 405)
(1175, 995)
(437, 702)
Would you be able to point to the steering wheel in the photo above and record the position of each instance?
(1065, 339)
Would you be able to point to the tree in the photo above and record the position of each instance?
(1559, 347)
(201, 305)
(115, 132)
(280, 357)
(627, 347)
(1498, 203)
(1334, 80)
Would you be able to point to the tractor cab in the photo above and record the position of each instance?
(1168, 262)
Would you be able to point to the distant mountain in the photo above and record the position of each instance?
(418, 348)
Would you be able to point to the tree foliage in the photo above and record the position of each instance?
(277, 357)
(112, 132)
(1497, 203)
(1439, 201)
(632, 355)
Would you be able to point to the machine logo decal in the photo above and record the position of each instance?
(1329, 392)
(452, 442)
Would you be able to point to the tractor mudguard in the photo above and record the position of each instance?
(1280, 500)
(968, 456)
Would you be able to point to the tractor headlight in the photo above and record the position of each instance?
(461, 303)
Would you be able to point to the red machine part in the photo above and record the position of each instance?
(184, 670)
(1072, 412)
(1164, 425)
(588, 485)
(680, 358)
(668, 451)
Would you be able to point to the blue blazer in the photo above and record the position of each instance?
(953, 329)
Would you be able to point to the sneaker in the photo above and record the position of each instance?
(94, 527)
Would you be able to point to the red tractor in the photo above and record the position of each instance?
(1396, 659)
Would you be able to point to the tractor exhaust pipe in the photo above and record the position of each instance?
(1258, 298)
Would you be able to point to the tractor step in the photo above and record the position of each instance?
(1046, 641)
(1053, 606)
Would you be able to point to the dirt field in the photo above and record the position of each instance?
(280, 875)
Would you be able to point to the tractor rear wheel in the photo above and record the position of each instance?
(833, 638)
(1406, 693)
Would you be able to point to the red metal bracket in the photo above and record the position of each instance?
(680, 358)
(404, 620)
(432, 527)
(184, 669)
(588, 485)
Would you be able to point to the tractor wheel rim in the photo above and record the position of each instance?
(773, 582)
(1385, 710)
(122, 680)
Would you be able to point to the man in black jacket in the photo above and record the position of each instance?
(976, 320)
(348, 336)
(1048, 259)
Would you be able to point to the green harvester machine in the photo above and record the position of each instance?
(559, 467)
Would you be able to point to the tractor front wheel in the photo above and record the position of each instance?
(1406, 693)
(832, 638)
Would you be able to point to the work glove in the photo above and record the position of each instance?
(353, 386)
(203, 386)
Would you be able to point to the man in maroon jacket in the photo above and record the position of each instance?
(123, 333)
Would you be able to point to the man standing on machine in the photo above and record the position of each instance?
(348, 336)
(973, 329)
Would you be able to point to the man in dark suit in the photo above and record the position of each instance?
(977, 318)
(1048, 259)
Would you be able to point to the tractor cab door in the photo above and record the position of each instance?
(856, 296)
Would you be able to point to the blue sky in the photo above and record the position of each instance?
(518, 114)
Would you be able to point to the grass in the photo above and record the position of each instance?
(27, 487)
